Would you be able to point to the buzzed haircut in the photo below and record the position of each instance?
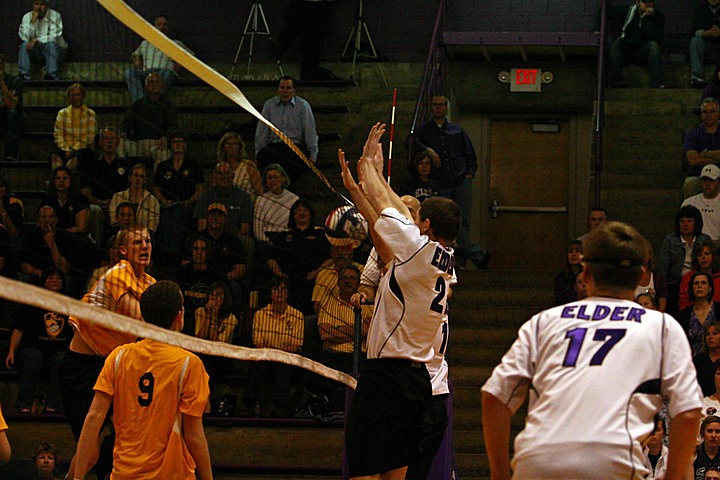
(615, 253)
(121, 239)
(161, 302)
(444, 216)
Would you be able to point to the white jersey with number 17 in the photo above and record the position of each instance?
(597, 371)
(411, 302)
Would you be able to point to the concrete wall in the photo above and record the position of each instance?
(400, 28)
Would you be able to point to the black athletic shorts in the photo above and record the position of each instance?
(77, 376)
(384, 424)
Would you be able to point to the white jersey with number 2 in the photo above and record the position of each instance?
(596, 371)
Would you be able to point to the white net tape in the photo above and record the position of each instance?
(25, 293)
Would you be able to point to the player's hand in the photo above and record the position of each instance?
(10, 360)
(372, 150)
(347, 176)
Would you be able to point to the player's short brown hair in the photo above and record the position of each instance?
(615, 253)
(161, 302)
(444, 216)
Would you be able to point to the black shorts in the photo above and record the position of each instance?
(77, 376)
(434, 424)
(384, 424)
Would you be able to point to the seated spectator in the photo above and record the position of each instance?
(279, 326)
(420, 185)
(226, 251)
(102, 178)
(74, 131)
(148, 59)
(712, 473)
(327, 279)
(702, 311)
(194, 279)
(703, 260)
(705, 36)
(45, 246)
(639, 41)
(11, 211)
(178, 183)
(655, 451)
(580, 287)
(147, 207)
(113, 257)
(706, 363)
(272, 208)
(39, 341)
(45, 461)
(706, 454)
(239, 213)
(713, 88)
(596, 217)
(246, 174)
(565, 279)
(675, 259)
(72, 207)
(646, 300)
(298, 254)
(215, 320)
(124, 217)
(148, 122)
(652, 282)
(293, 116)
(708, 202)
(41, 32)
(12, 117)
(702, 146)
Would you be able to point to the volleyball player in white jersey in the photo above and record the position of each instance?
(597, 371)
(383, 426)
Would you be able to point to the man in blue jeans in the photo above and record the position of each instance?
(41, 32)
(455, 162)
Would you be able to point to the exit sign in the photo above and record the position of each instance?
(525, 79)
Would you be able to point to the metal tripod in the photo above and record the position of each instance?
(255, 20)
(356, 33)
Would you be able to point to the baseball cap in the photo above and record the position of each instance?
(217, 206)
(710, 171)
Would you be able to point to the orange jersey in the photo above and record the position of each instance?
(106, 293)
(3, 424)
(153, 384)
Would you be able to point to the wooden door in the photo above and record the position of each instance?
(528, 194)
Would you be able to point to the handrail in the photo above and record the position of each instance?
(600, 107)
(433, 74)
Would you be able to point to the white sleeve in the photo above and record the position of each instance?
(679, 380)
(401, 236)
(511, 379)
(371, 273)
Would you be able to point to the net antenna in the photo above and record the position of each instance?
(256, 25)
(359, 28)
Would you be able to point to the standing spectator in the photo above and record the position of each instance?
(676, 253)
(148, 122)
(148, 59)
(178, 183)
(708, 202)
(455, 161)
(640, 40)
(246, 175)
(279, 326)
(12, 118)
(705, 35)
(41, 32)
(702, 145)
(147, 207)
(38, 343)
(74, 133)
(293, 116)
(565, 279)
(310, 20)
(72, 208)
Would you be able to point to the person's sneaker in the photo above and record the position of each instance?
(697, 82)
(49, 78)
